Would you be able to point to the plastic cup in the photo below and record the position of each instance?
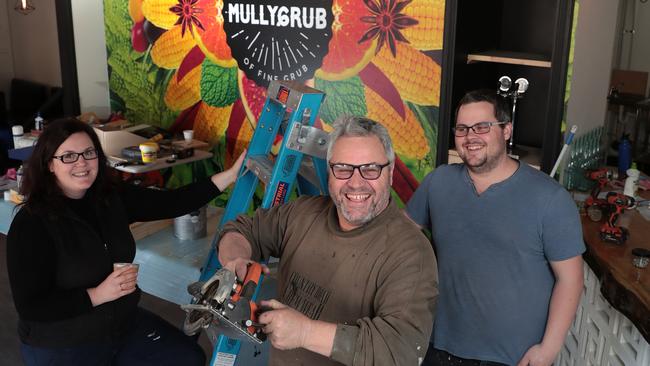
(119, 265)
(149, 151)
(631, 182)
(188, 135)
(640, 257)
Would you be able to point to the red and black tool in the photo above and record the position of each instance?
(594, 205)
(616, 203)
(226, 306)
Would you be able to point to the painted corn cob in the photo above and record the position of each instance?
(421, 83)
(186, 92)
(428, 33)
(211, 122)
(407, 134)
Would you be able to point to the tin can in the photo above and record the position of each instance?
(191, 226)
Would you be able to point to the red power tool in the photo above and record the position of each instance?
(594, 205)
(226, 306)
(616, 203)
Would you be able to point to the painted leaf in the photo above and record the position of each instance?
(345, 97)
(218, 84)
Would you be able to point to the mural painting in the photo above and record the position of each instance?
(205, 64)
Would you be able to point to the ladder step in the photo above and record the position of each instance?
(261, 166)
(308, 140)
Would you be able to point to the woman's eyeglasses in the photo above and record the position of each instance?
(72, 157)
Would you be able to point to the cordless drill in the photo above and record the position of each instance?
(593, 204)
(616, 203)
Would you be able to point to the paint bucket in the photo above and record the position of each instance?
(191, 226)
(149, 151)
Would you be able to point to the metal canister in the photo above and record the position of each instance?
(191, 226)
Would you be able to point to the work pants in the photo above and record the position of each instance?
(436, 357)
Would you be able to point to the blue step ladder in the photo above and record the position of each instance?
(290, 109)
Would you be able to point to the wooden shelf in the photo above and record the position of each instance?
(160, 163)
(506, 57)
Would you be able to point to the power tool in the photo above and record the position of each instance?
(223, 305)
(616, 203)
(594, 205)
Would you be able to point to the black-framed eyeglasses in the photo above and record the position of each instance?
(72, 157)
(478, 128)
(368, 171)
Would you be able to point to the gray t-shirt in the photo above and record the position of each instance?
(493, 255)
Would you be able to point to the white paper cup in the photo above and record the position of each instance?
(123, 264)
(188, 135)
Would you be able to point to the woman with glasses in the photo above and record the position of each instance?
(74, 308)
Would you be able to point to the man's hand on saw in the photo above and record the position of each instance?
(286, 328)
(240, 267)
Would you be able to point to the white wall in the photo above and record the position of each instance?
(640, 60)
(35, 44)
(6, 55)
(90, 48)
(592, 63)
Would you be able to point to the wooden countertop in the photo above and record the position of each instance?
(626, 287)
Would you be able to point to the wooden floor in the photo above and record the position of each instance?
(9, 344)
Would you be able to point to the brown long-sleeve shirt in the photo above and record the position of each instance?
(378, 283)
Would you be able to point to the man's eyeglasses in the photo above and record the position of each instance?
(367, 171)
(478, 128)
(71, 157)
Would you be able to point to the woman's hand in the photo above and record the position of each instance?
(119, 283)
(225, 178)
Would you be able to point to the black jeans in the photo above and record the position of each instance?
(436, 357)
(152, 342)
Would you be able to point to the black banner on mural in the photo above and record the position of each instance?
(278, 40)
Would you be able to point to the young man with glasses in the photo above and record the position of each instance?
(509, 243)
(357, 281)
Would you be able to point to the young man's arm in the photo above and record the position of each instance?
(564, 302)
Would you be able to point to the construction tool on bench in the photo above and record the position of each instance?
(593, 204)
(616, 203)
(290, 110)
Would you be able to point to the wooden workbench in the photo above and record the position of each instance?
(626, 287)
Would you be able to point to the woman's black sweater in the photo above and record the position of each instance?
(53, 258)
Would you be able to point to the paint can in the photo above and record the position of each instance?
(191, 226)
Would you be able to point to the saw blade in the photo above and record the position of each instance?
(233, 330)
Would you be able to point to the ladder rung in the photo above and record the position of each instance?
(261, 166)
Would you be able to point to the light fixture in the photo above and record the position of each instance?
(507, 89)
(24, 6)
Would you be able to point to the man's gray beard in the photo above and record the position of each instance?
(360, 221)
(372, 212)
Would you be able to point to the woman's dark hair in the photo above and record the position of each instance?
(39, 184)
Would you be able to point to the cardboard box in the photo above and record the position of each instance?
(113, 141)
(629, 82)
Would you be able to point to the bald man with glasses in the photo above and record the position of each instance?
(357, 280)
(509, 242)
